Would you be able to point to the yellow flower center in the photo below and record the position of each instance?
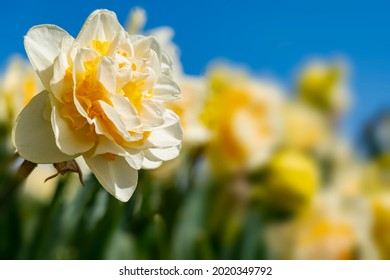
(101, 47)
(89, 91)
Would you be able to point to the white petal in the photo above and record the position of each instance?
(148, 76)
(105, 145)
(42, 44)
(116, 176)
(107, 74)
(151, 114)
(148, 164)
(115, 120)
(162, 154)
(166, 136)
(61, 64)
(101, 25)
(166, 64)
(33, 135)
(165, 89)
(69, 140)
(144, 45)
(123, 76)
(127, 112)
(135, 160)
(127, 46)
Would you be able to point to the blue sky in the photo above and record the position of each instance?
(271, 37)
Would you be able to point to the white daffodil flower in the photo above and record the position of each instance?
(104, 101)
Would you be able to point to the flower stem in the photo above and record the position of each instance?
(12, 183)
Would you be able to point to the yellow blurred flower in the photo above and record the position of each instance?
(323, 85)
(244, 117)
(290, 183)
(19, 85)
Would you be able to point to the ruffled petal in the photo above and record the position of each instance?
(107, 74)
(101, 26)
(148, 164)
(135, 160)
(115, 122)
(33, 135)
(165, 89)
(115, 175)
(162, 154)
(105, 145)
(70, 142)
(151, 114)
(58, 84)
(127, 112)
(42, 44)
(168, 135)
(143, 46)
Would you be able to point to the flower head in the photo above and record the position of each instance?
(104, 101)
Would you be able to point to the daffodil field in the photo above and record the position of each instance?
(109, 150)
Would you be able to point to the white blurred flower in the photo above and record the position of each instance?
(103, 101)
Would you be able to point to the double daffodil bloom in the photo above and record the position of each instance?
(104, 101)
